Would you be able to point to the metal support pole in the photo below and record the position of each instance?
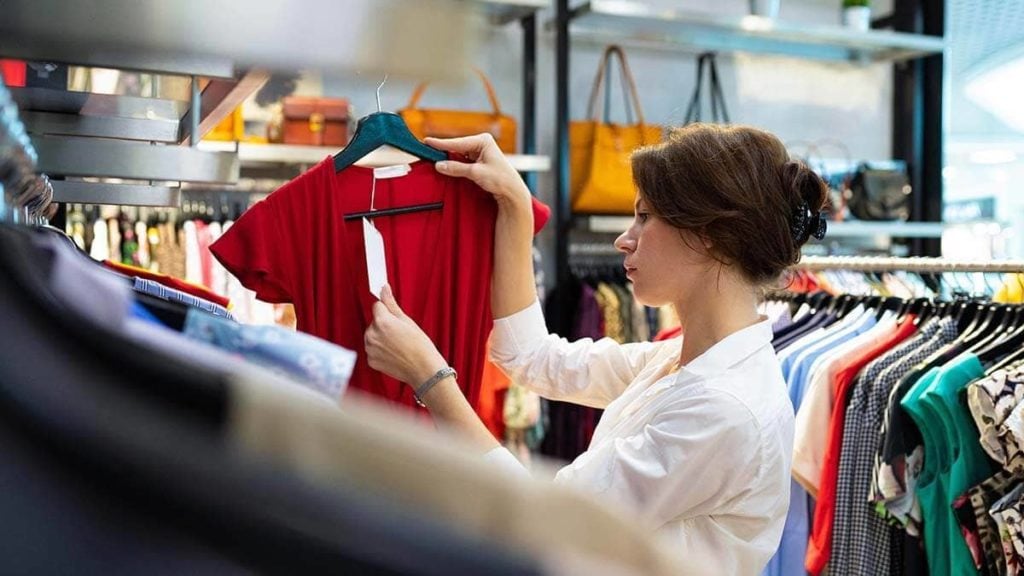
(529, 24)
(197, 104)
(563, 214)
(917, 117)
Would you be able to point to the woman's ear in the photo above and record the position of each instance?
(705, 242)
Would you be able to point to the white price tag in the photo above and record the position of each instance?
(376, 267)
(396, 171)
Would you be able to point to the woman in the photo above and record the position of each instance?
(697, 432)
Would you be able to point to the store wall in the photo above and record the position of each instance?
(799, 100)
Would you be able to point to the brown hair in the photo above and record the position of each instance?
(735, 186)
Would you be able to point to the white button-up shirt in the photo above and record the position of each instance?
(703, 455)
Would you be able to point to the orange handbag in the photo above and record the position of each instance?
(424, 122)
(600, 174)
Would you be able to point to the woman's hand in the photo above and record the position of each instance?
(512, 285)
(489, 169)
(396, 346)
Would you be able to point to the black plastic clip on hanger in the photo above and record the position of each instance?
(380, 129)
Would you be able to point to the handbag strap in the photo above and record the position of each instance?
(627, 81)
(491, 94)
(719, 111)
(717, 97)
(693, 111)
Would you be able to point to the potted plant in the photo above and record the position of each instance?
(857, 14)
(765, 8)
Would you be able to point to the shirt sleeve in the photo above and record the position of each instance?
(255, 251)
(677, 467)
(587, 372)
(503, 460)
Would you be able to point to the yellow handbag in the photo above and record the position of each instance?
(600, 175)
(453, 123)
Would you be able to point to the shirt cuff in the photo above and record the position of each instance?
(503, 460)
(518, 332)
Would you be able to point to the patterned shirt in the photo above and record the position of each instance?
(992, 400)
(864, 543)
(317, 364)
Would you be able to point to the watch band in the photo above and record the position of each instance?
(430, 383)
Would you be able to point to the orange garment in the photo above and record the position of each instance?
(169, 281)
(491, 404)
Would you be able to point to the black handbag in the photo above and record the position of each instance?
(719, 112)
(879, 194)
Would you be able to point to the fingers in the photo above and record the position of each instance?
(388, 298)
(471, 145)
(457, 169)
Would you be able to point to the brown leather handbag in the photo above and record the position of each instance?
(424, 122)
(600, 173)
(311, 121)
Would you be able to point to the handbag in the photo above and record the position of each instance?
(601, 176)
(423, 122)
(719, 111)
(879, 194)
(312, 121)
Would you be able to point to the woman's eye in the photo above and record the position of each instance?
(642, 216)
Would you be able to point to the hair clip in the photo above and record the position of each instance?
(820, 227)
(806, 224)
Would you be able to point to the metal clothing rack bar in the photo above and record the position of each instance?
(922, 264)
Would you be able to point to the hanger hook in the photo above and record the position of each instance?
(379, 86)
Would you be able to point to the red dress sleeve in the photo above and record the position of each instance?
(541, 215)
(256, 251)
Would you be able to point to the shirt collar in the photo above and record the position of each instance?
(731, 350)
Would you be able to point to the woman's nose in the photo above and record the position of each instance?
(625, 242)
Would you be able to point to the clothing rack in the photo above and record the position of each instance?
(24, 195)
(913, 264)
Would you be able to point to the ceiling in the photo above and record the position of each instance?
(980, 29)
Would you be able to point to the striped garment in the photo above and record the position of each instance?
(160, 291)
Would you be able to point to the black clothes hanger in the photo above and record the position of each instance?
(988, 318)
(1009, 339)
(1013, 358)
(995, 343)
(891, 303)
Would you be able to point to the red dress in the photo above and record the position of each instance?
(296, 247)
(820, 545)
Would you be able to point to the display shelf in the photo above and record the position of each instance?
(850, 229)
(252, 154)
(85, 192)
(629, 20)
(406, 38)
(66, 112)
(505, 11)
(107, 158)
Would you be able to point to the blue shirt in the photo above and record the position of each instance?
(797, 369)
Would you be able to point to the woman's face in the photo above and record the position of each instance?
(664, 269)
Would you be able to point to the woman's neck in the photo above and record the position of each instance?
(709, 318)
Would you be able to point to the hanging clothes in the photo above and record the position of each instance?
(151, 435)
(296, 247)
